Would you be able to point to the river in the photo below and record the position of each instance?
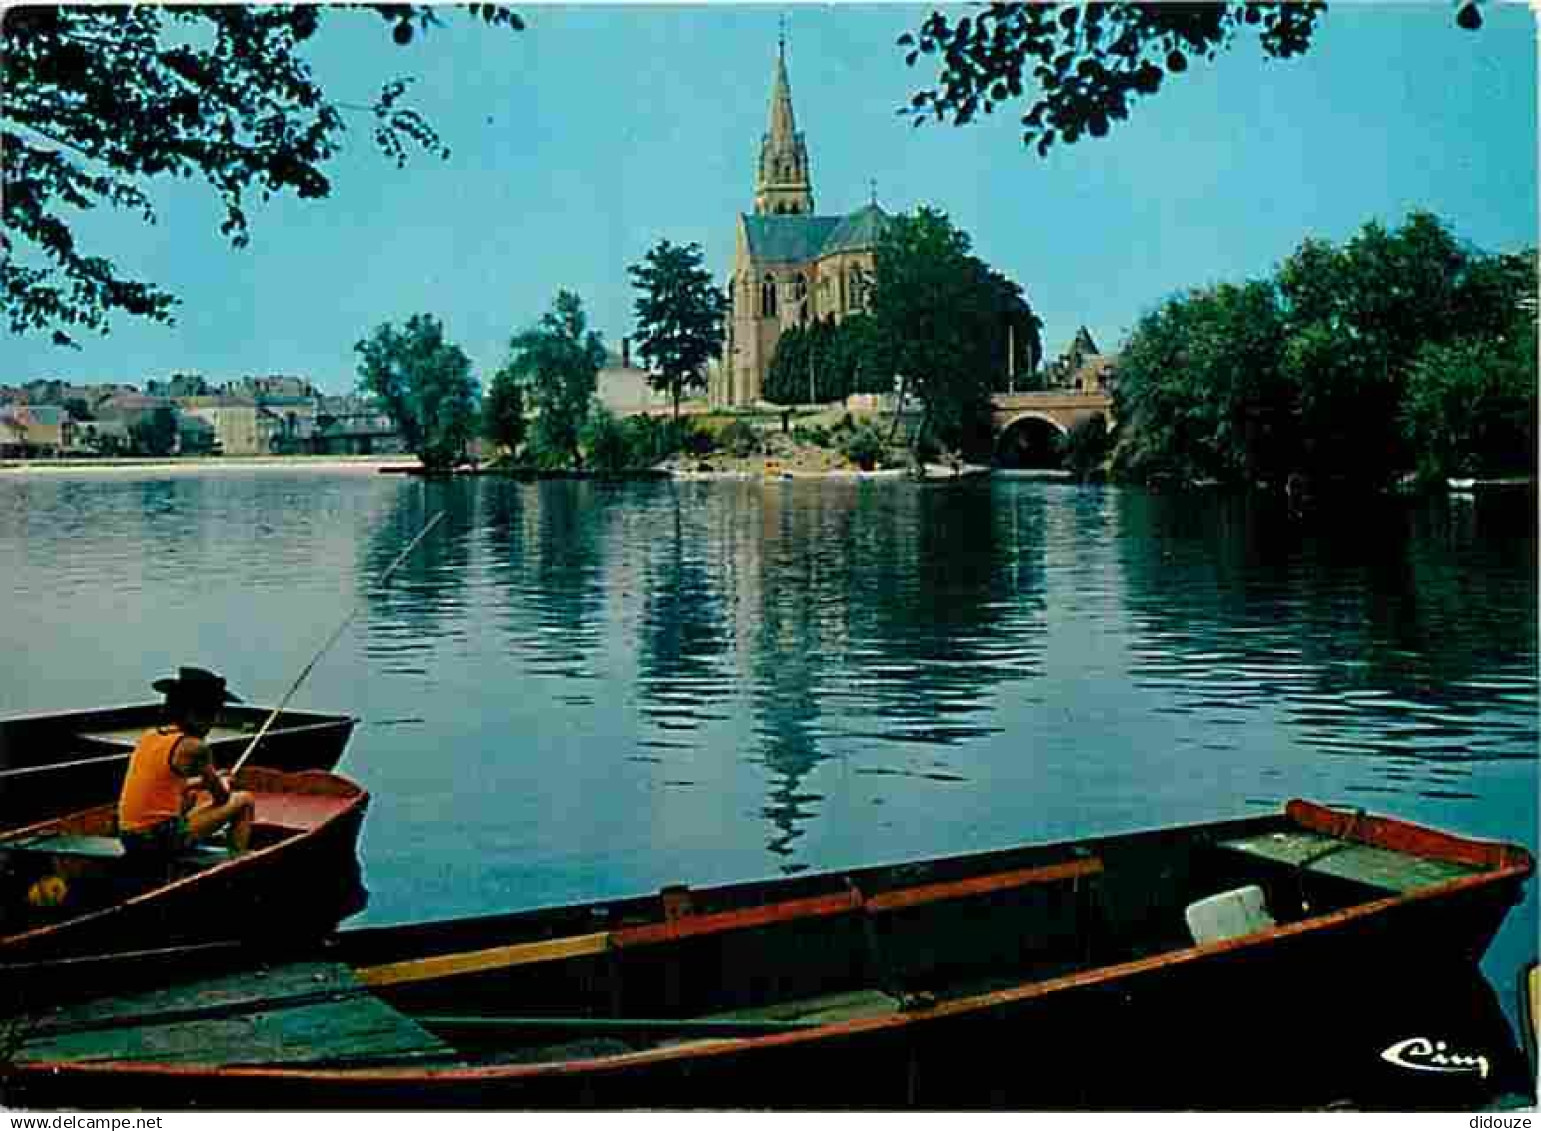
(575, 690)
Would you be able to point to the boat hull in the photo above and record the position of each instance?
(1101, 1005)
(299, 885)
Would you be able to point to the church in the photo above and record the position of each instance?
(790, 266)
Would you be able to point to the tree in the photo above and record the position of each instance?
(426, 386)
(558, 363)
(606, 440)
(935, 311)
(680, 315)
(1090, 62)
(1199, 382)
(103, 101)
(155, 433)
(503, 413)
(1470, 405)
(1350, 365)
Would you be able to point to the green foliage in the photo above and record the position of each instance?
(557, 362)
(503, 419)
(607, 443)
(936, 308)
(425, 385)
(788, 367)
(813, 435)
(1199, 385)
(155, 433)
(1088, 64)
(1085, 450)
(1339, 368)
(1470, 407)
(864, 446)
(103, 100)
(740, 439)
(680, 314)
(78, 409)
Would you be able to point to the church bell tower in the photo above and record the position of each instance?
(783, 186)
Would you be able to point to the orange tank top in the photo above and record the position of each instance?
(153, 789)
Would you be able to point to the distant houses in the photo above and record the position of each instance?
(1083, 367)
(26, 428)
(185, 415)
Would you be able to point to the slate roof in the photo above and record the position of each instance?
(788, 239)
(857, 232)
(798, 239)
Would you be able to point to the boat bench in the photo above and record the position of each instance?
(1322, 855)
(86, 846)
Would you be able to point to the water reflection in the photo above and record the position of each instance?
(573, 687)
(1389, 635)
(424, 600)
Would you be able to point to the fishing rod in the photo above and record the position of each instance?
(330, 640)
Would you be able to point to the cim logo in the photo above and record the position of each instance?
(1423, 1055)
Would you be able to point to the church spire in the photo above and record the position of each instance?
(783, 184)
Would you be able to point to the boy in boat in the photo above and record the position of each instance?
(172, 796)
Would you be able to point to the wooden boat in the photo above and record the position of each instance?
(67, 887)
(1239, 952)
(57, 763)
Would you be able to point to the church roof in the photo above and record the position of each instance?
(788, 239)
(798, 239)
(857, 232)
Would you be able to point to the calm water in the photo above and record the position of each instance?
(576, 690)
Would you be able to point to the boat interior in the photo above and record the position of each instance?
(62, 868)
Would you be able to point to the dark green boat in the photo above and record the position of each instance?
(52, 764)
(1238, 963)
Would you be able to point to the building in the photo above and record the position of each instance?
(241, 428)
(1082, 367)
(354, 426)
(625, 389)
(29, 429)
(790, 265)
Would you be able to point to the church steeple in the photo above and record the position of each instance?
(783, 184)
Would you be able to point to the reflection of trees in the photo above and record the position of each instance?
(886, 615)
(683, 633)
(1415, 613)
(425, 598)
(951, 609)
(547, 556)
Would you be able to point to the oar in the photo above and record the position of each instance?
(330, 640)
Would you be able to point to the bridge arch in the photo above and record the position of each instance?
(1030, 440)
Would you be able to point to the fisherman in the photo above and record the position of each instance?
(172, 796)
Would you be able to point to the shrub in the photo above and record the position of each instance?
(864, 447)
(740, 439)
(815, 434)
(609, 447)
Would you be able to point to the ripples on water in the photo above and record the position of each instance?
(578, 689)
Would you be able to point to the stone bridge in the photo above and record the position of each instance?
(1062, 409)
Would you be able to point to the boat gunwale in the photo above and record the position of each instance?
(353, 801)
(157, 706)
(1516, 865)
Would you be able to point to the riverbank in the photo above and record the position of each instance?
(198, 464)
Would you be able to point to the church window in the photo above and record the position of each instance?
(768, 297)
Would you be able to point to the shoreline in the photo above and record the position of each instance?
(193, 464)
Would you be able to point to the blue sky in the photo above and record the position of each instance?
(580, 142)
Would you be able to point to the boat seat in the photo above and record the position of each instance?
(1228, 915)
(86, 846)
